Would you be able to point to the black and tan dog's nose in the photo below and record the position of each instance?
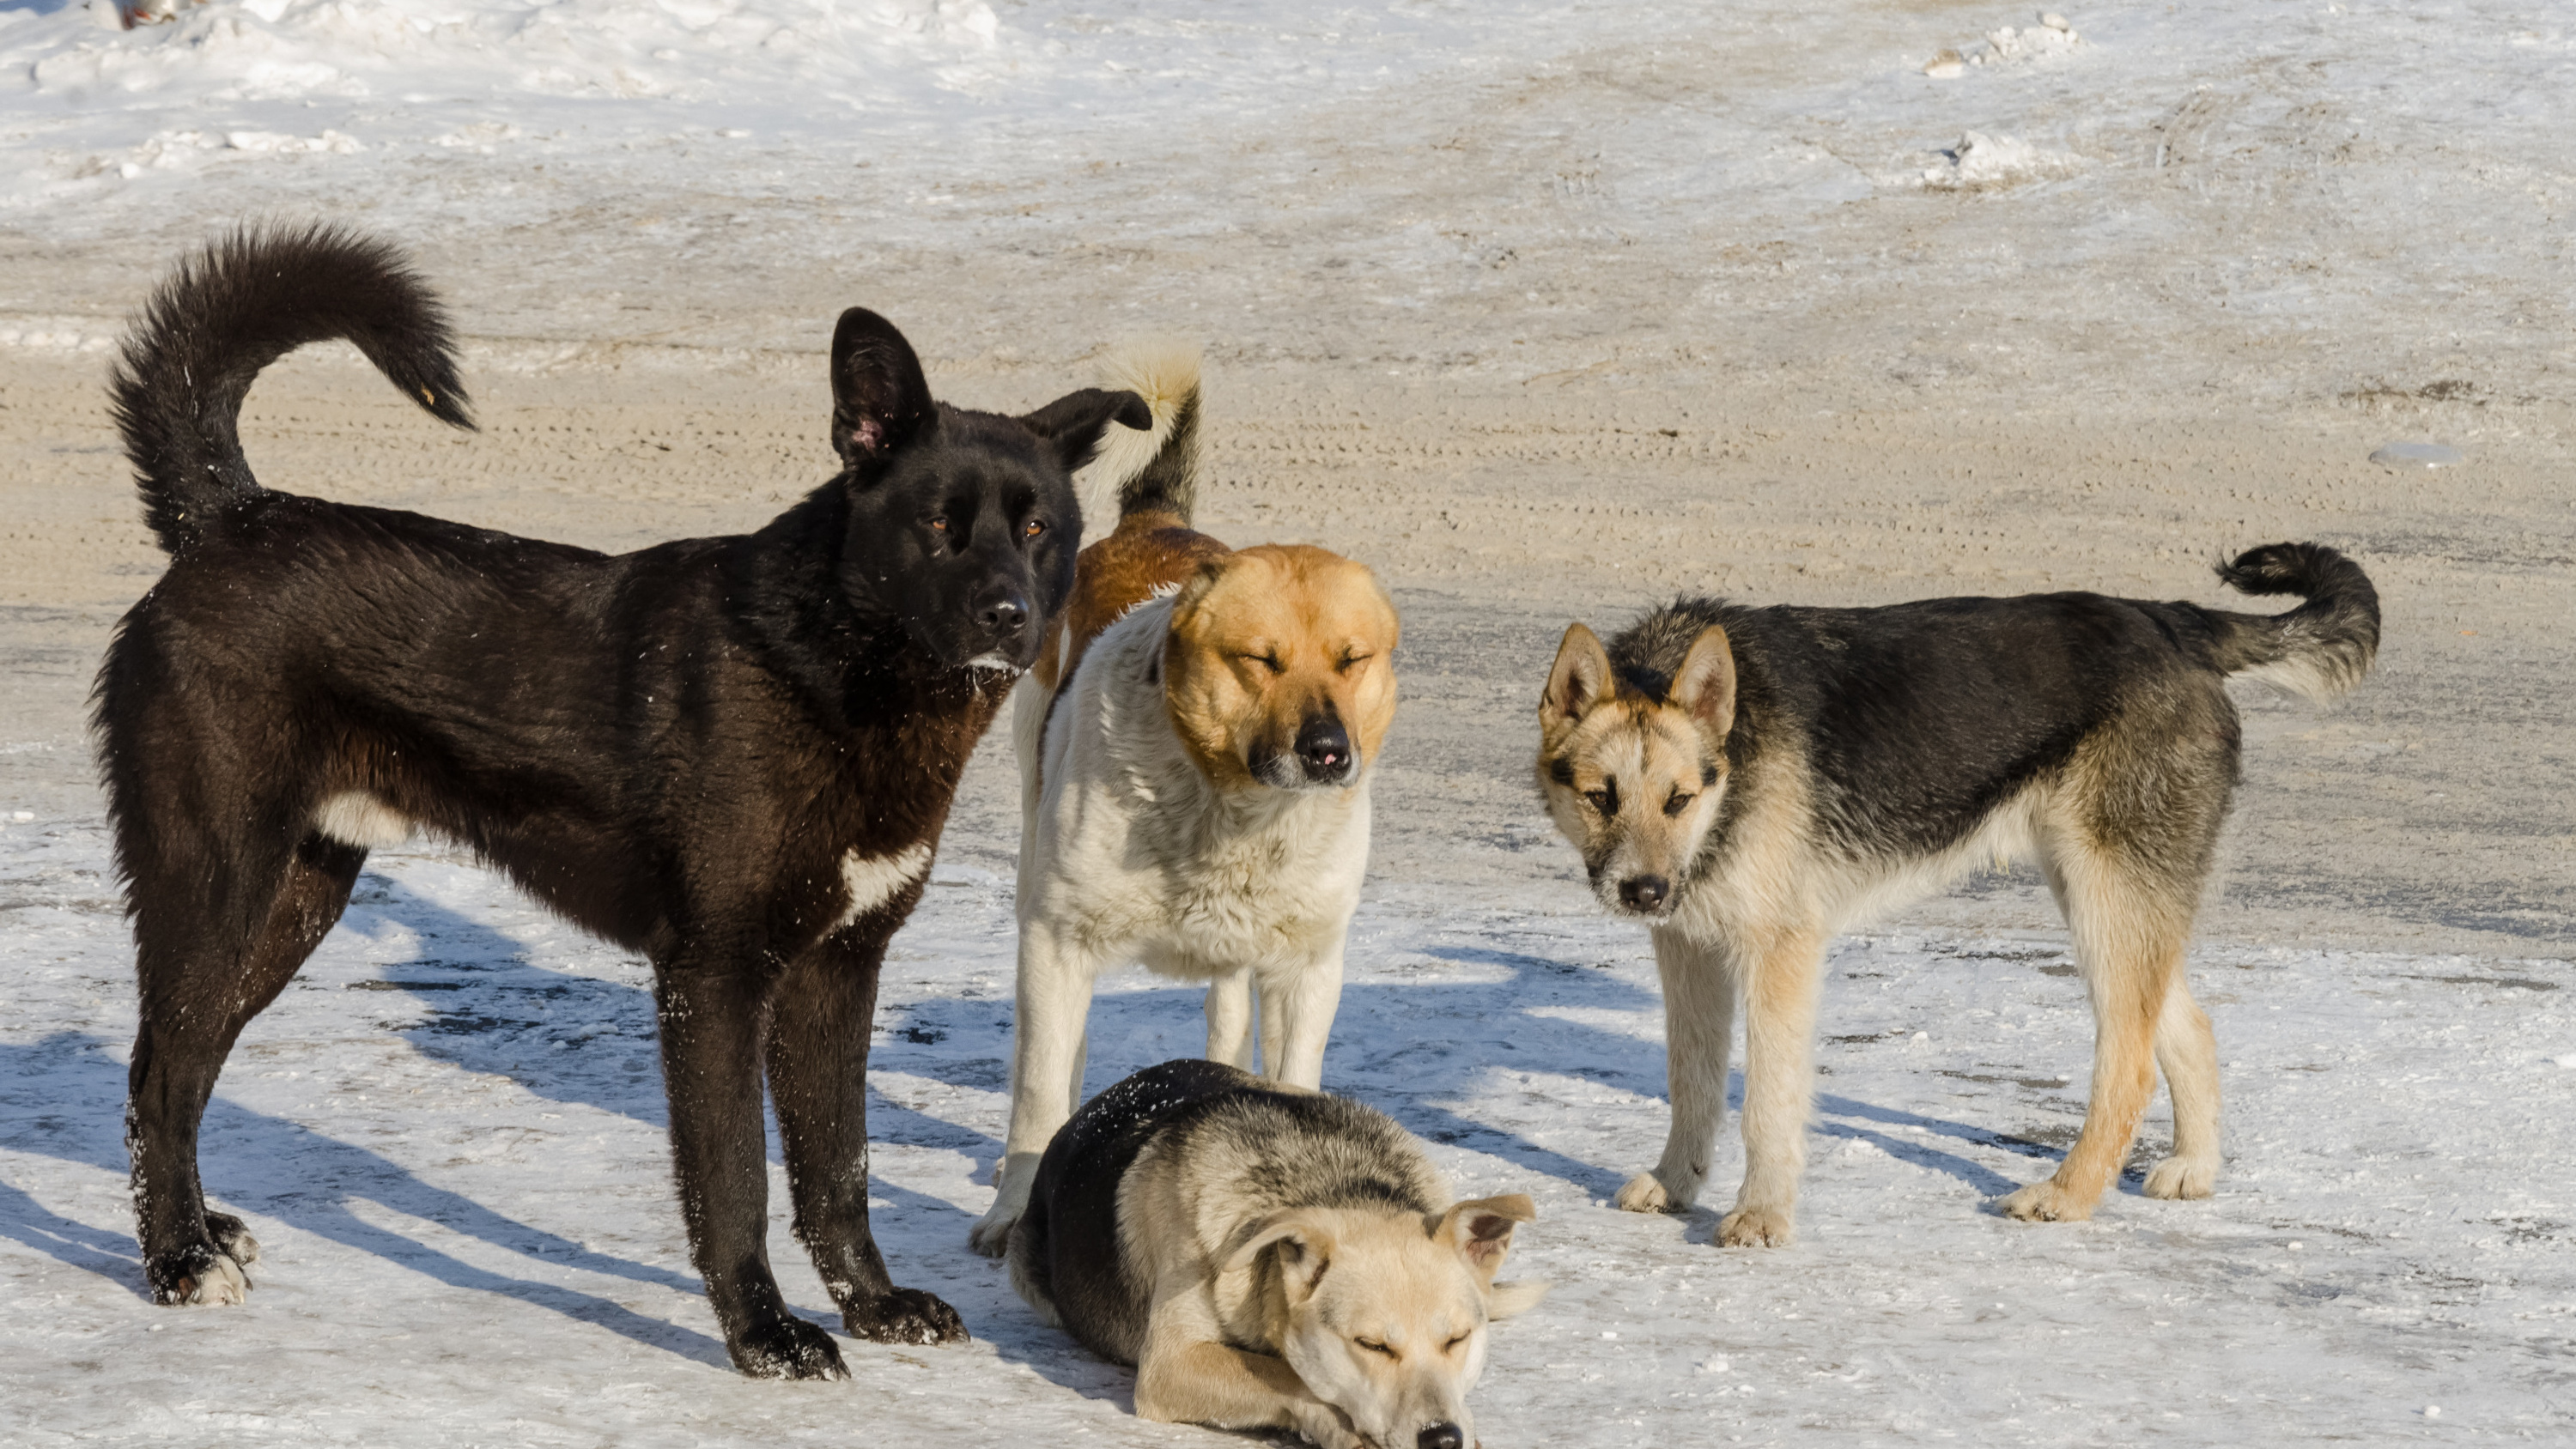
(1440, 1436)
(1324, 749)
(1644, 892)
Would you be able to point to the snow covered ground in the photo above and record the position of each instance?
(448, 1139)
(448, 1135)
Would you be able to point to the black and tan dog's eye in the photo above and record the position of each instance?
(1678, 802)
(1605, 799)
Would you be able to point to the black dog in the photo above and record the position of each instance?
(731, 754)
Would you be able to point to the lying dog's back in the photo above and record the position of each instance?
(1199, 1148)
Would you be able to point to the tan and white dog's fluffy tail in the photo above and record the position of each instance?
(1155, 471)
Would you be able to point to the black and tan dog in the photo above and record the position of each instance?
(1752, 781)
(731, 754)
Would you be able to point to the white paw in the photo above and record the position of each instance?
(991, 1235)
(1644, 1194)
(1756, 1227)
(224, 1282)
(2046, 1202)
(2183, 1177)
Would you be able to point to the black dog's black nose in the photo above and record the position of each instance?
(1440, 1436)
(1644, 892)
(1324, 748)
(1004, 616)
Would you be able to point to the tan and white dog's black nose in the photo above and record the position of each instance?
(1324, 750)
(1440, 1436)
(1645, 892)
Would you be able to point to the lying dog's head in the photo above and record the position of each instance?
(962, 525)
(1279, 668)
(1382, 1314)
(1634, 779)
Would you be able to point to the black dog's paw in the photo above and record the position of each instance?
(905, 1315)
(232, 1239)
(788, 1348)
(196, 1274)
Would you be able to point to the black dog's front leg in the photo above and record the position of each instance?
(819, 1025)
(710, 1021)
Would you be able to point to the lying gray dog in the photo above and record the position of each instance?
(1268, 1257)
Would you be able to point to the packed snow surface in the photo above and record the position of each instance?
(448, 1138)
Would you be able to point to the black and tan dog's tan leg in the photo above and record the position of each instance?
(2188, 1052)
(1780, 989)
(2129, 944)
(818, 1062)
(1699, 982)
(1188, 1375)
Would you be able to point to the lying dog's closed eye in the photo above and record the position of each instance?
(731, 754)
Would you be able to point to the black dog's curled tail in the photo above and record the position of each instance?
(230, 310)
(2321, 648)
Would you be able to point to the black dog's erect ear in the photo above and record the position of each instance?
(1075, 421)
(880, 401)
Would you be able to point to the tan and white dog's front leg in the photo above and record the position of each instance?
(1297, 1011)
(1229, 1019)
(1188, 1375)
(1699, 1034)
(1047, 1039)
(1780, 982)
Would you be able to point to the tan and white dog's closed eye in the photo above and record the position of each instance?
(1268, 1257)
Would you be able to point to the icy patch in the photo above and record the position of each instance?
(2417, 455)
(2051, 38)
(1982, 162)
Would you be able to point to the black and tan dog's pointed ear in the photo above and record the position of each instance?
(1704, 687)
(1580, 680)
(1074, 422)
(880, 400)
(1305, 1248)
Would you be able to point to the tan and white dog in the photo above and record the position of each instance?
(1195, 748)
(1268, 1257)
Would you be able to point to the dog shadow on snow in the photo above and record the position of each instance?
(577, 1039)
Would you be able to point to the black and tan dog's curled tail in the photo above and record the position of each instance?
(2321, 648)
(1156, 471)
(230, 310)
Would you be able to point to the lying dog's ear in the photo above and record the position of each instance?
(1304, 1245)
(1704, 687)
(1481, 1230)
(1580, 680)
(880, 401)
(1074, 422)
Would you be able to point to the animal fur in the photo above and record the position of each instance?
(733, 755)
(1752, 781)
(1195, 748)
(1268, 1257)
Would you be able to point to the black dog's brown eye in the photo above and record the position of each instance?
(1033, 530)
(1678, 802)
(1605, 799)
(939, 525)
